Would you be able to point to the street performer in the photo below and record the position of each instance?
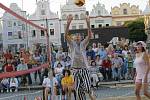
(79, 62)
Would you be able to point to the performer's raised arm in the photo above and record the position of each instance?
(67, 36)
(88, 37)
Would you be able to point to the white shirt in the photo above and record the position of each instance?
(13, 82)
(95, 50)
(48, 82)
(58, 70)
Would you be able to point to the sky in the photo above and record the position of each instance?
(30, 5)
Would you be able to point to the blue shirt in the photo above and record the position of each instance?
(103, 54)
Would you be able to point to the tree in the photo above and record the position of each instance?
(136, 30)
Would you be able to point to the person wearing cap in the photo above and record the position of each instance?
(142, 65)
(79, 61)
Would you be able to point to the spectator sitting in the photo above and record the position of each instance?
(8, 66)
(94, 70)
(13, 84)
(49, 84)
(91, 53)
(103, 53)
(5, 84)
(106, 69)
(67, 84)
(67, 62)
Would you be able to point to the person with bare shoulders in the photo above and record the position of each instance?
(79, 62)
(142, 77)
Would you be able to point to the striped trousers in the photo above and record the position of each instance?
(82, 83)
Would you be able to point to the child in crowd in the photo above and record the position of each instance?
(67, 84)
(13, 84)
(94, 69)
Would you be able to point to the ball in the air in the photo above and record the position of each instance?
(79, 2)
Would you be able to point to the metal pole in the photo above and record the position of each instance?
(48, 44)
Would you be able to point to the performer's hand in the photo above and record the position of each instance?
(69, 19)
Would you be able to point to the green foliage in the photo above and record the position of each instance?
(136, 30)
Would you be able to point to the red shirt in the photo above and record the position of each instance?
(106, 64)
(9, 68)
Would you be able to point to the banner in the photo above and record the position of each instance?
(23, 72)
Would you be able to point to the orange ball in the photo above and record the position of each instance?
(79, 3)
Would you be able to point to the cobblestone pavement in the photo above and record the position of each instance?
(101, 93)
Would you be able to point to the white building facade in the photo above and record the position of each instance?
(100, 16)
(14, 30)
(42, 13)
(78, 14)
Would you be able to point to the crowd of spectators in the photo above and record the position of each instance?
(105, 62)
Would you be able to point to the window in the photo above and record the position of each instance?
(92, 26)
(22, 45)
(73, 27)
(9, 23)
(33, 33)
(42, 12)
(76, 17)
(107, 24)
(51, 31)
(9, 33)
(125, 11)
(96, 36)
(80, 26)
(14, 23)
(19, 35)
(42, 33)
(100, 25)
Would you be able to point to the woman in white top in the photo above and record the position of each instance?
(142, 77)
(49, 84)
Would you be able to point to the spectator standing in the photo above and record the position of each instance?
(37, 59)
